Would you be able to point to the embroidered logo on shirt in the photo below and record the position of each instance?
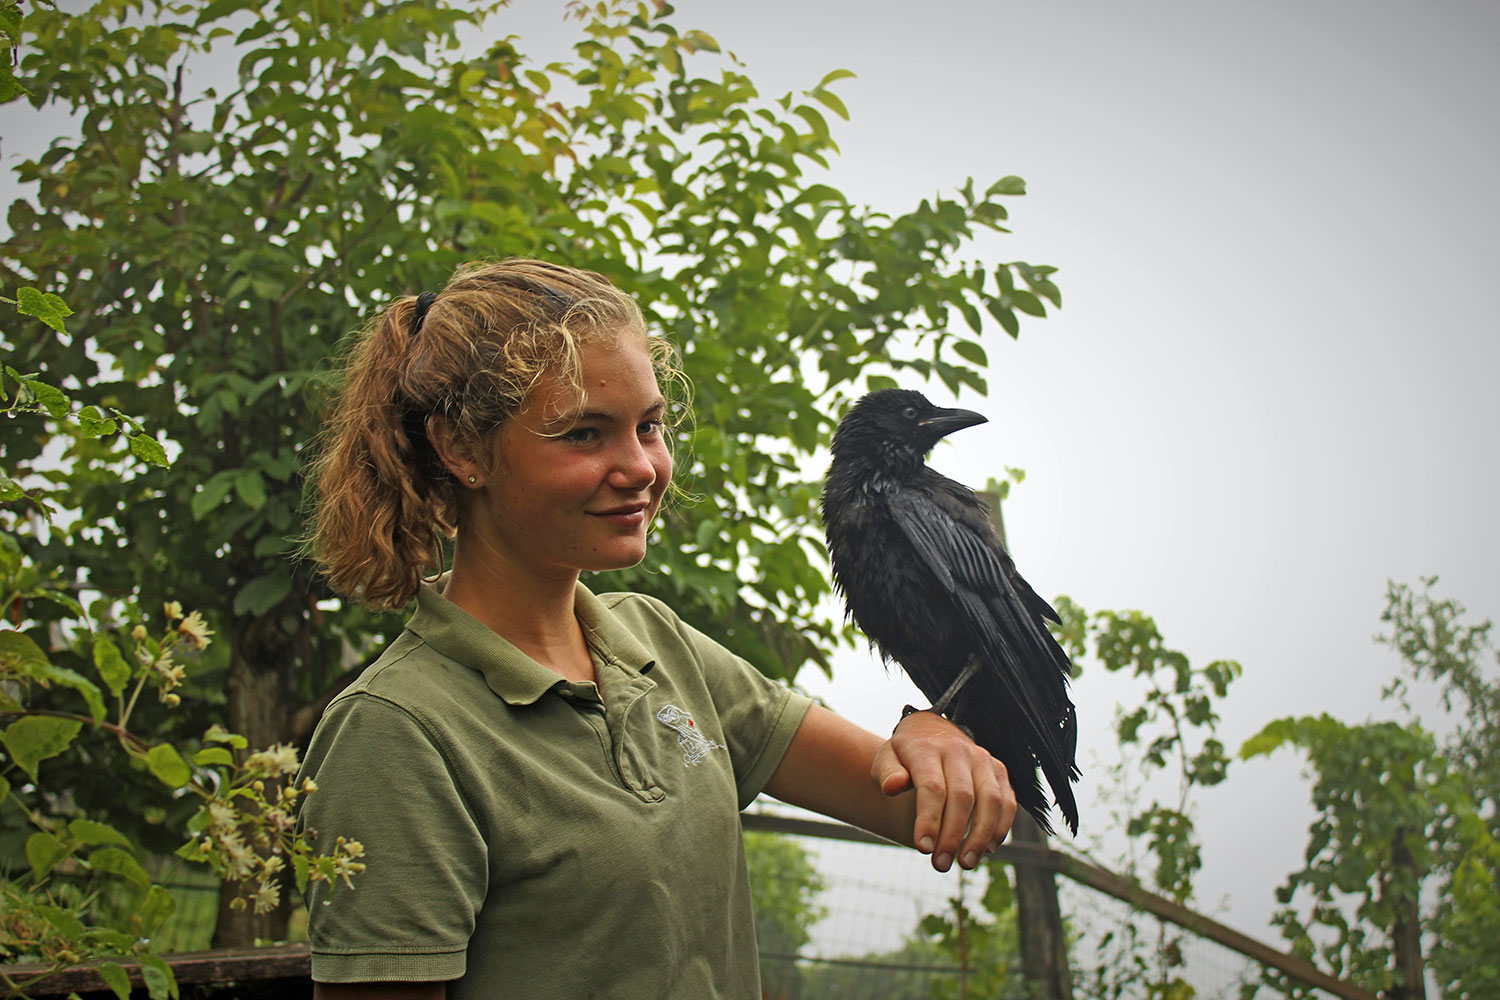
(695, 746)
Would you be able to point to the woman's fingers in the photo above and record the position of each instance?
(994, 811)
(964, 802)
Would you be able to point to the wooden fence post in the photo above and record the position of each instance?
(1044, 949)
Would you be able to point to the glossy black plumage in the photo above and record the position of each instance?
(925, 577)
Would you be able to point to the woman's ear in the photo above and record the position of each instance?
(456, 450)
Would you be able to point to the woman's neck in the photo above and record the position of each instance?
(533, 613)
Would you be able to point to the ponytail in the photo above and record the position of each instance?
(384, 501)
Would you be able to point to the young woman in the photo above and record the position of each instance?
(546, 782)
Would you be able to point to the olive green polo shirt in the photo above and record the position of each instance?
(533, 837)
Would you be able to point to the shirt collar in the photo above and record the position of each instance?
(511, 674)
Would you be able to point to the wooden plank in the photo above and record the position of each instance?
(222, 965)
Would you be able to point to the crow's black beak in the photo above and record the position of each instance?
(945, 422)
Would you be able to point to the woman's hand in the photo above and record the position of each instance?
(960, 789)
(963, 804)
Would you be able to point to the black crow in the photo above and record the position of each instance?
(925, 578)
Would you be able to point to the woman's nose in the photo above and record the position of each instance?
(633, 469)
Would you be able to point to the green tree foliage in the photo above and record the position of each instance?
(1169, 737)
(784, 887)
(74, 887)
(967, 950)
(218, 240)
(1404, 845)
(980, 942)
(11, 17)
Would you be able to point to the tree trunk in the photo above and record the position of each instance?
(1406, 935)
(259, 708)
(1044, 950)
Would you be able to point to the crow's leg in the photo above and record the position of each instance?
(942, 705)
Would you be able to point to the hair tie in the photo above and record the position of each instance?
(424, 303)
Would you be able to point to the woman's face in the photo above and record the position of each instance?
(575, 488)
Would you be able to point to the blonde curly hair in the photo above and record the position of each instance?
(383, 499)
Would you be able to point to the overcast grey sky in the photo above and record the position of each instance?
(1272, 384)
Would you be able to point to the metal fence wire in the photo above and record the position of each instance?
(843, 915)
(877, 923)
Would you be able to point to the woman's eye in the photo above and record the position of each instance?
(649, 427)
(580, 434)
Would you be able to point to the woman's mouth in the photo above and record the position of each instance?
(625, 516)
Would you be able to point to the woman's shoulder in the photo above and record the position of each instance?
(664, 634)
(412, 676)
(630, 603)
(651, 620)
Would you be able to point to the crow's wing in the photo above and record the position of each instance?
(968, 561)
(1004, 615)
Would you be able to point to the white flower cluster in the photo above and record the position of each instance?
(251, 828)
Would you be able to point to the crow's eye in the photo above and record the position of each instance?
(909, 413)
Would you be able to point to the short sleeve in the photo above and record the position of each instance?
(759, 716)
(382, 781)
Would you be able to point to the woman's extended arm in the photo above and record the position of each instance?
(843, 771)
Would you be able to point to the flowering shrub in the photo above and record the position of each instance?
(52, 908)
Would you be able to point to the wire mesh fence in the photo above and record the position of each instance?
(880, 924)
(842, 915)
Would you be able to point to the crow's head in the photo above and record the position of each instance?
(894, 429)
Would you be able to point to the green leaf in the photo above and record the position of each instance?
(251, 489)
(43, 851)
(1006, 317)
(53, 399)
(148, 450)
(218, 734)
(157, 974)
(211, 493)
(998, 897)
(200, 821)
(1028, 303)
(20, 656)
(815, 193)
(86, 688)
(45, 306)
(832, 102)
(214, 755)
(1009, 184)
(262, 593)
(155, 909)
(116, 861)
(86, 831)
(34, 738)
(168, 766)
(195, 142)
(1270, 738)
(65, 921)
(116, 978)
(695, 40)
(874, 382)
(300, 867)
(4, 789)
(814, 119)
(93, 423)
(971, 351)
(113, 669)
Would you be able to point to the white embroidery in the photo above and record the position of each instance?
(695, 746)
